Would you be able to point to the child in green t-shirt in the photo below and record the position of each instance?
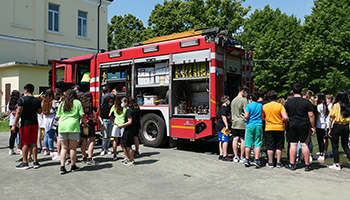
(118, 114)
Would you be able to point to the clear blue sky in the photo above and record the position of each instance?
(142, 8)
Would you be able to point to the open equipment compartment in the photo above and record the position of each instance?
(152, 82)
(117, 77)
(191, 90)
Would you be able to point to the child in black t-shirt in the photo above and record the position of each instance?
(129, 128)
(222, 124)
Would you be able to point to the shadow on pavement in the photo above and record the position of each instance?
(146, 162)
(96, 167)
(200, 146)
(147, 154)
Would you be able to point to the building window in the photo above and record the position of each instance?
(82, 24)
(54, 17)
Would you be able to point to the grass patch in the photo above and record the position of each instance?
(4, 126)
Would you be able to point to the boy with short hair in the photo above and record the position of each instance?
(253, 130)
(238, 105)
(301, 120)
(223, 129)
(28, 107)
(274, 114)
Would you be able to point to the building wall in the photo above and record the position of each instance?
(26, 75)
(24, 37)
(11, 76)
(26, 22)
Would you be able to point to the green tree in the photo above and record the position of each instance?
(325, 55)
(177, 16)
(167, 18)
(123, 31)
(275, 40)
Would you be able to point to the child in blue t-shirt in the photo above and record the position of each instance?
(253, 130)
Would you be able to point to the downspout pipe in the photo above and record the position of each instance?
(98, 50)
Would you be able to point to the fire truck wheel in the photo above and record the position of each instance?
(153, 132)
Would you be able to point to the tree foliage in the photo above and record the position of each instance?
(177, 16)
(315, 54)
(325, 54)
(123, 31)
(274, 38)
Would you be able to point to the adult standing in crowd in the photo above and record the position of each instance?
(68, 114)
(339, 120)
(11, 110)
(301, 116)
(106, 124)
(28, 107)
(106, 93)
(238, 105)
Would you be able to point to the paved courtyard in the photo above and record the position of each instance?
(191, 171)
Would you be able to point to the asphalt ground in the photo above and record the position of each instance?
(191, 171)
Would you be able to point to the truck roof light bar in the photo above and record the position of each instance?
(189, 43)
(150, 49)
(115, 54)
(183, 35)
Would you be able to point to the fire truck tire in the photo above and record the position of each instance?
(153, 131)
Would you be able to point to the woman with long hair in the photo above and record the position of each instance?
(339, 123)
(56, 104)
(117, 114)
(68, 114)
(321, 123)
(106, 124)
(136, 108)
(90, 134)
(329, 99)
(12, 110)
(129, 128)
(49, 114)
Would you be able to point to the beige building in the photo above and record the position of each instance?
(35, 32)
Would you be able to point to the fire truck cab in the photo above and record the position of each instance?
(177, 80)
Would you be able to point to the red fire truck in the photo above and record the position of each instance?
(177, 79)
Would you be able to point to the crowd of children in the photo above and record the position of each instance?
(70, 119)
(255, 121)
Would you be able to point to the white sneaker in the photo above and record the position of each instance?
(12, 152)
(125, 160)
(335, 167)
(56, 158)
(311, 159)
(242, 161)
(102, 153)
(53, 154)
(108, 152)
(236, 159)
(46, 153)
(130, 163)
(321, 158)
